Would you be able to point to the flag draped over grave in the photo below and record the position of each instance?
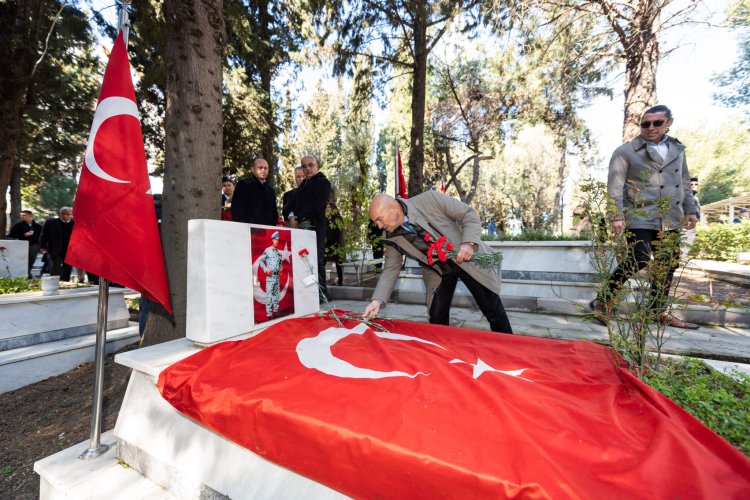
(430, 411)
(116, 234)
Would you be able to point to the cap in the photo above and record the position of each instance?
(226, 178)
(275, 235)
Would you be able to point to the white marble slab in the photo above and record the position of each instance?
(70, 313)
(220, 279)
(14, 259)
(183, 456)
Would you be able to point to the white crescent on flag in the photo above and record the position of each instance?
(108, 108)
(315, 353)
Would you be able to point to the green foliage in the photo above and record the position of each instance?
(19, 285)
(631, 328)
(721, 241)
(58, 191)
(736, 81)
(718, 156)
(534, 235)
(59, 103)
(721, 402)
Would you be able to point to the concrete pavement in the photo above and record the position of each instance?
(714, 342)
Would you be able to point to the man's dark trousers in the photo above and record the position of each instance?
(489, 302)
(642, 242)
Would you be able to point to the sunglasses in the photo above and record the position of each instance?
(657, 124)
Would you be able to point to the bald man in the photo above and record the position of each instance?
(254, 199)
(405, 223)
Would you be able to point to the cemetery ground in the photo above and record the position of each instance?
(43, 418)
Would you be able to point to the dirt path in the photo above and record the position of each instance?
(43, 418)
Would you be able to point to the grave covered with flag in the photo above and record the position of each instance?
(428, 411)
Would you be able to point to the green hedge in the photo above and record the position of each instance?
(19, 285)
(721, 241)
(534, 235)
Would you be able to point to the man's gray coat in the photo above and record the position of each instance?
(639, 178)
(439, 215)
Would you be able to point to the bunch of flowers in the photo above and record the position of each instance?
(281, 222)
(442, 249)
(339, 316)
(304, 255)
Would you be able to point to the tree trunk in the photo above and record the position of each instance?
(195, 37)
(418, 95)
(265, 70)
(641, 64)
(562, 165)
(16, 204)
(10, 130)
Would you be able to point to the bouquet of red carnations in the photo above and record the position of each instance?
(442, 249)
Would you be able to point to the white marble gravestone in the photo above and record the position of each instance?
(14, 259)
(225, 290)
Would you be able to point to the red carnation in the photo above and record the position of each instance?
(304, 252)
(427, 237)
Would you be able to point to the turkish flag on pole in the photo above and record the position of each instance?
(116, 234)
(401, 183)
(428, 411)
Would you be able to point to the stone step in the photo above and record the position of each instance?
(25, 365)
(64, 475)
(33, 318)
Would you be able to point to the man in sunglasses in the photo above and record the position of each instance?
(650, 186)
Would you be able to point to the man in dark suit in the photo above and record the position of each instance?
(54, 242)
(254, 200)
(310, 211)
(290, 197)
(28, 230)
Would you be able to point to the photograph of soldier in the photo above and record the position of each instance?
(273, 289)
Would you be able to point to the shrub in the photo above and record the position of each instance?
(721, 241)
(534, 235)
(19, 285)
(721, 402)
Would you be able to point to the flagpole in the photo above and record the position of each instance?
(124, 21)
(395, 170)
(96, 448)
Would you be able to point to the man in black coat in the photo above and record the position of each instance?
(290, 197)
(54, 242)
(310, 211)
(254, 200)
(28, 230)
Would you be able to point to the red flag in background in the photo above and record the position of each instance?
(442, 186)
(401, 190)
(116, 234)
(432, 411)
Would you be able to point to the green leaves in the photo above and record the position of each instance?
(721, 402)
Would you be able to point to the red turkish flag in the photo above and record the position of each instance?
(401, 191)
(116, 234)
(433, 411)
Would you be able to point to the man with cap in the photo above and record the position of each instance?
(270, 263)
(744, 216)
